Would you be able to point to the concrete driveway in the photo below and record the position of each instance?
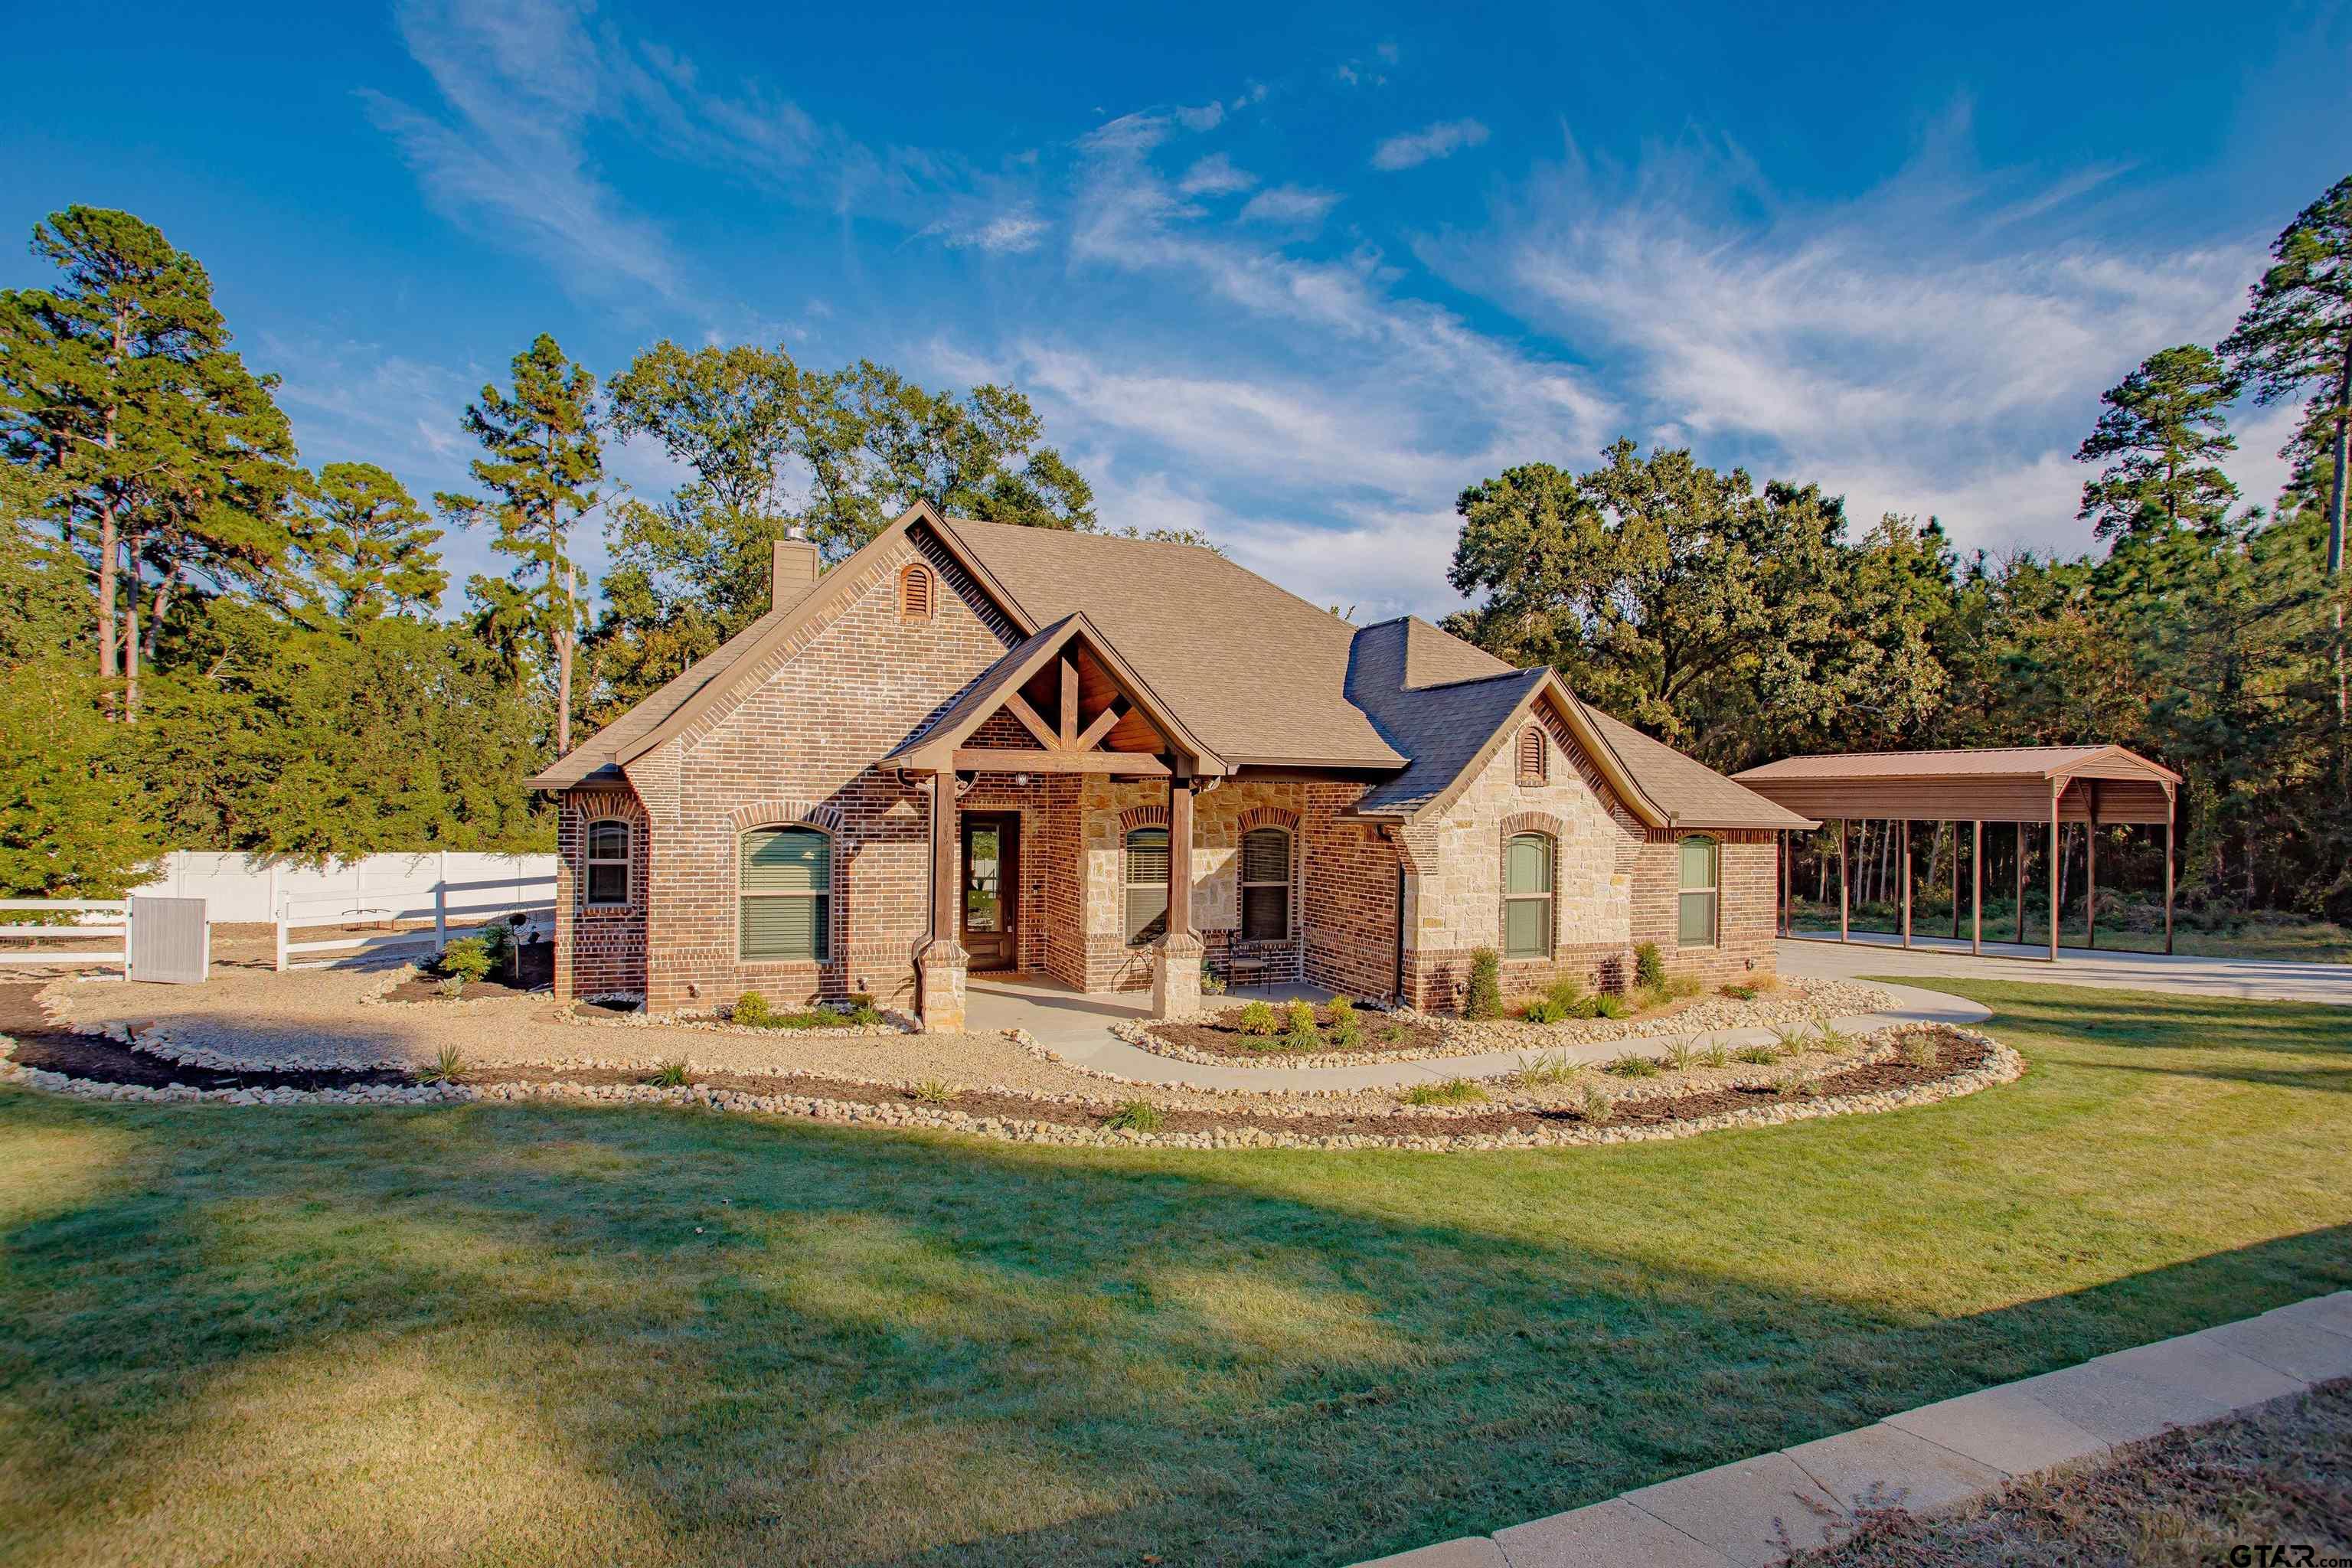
(2253, 979)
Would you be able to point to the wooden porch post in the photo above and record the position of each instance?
(1907, 881)
(2021, 882)
(943, 857)
(1844, 829)
(2168, 811)
(939, 965)
(2056, 790)
(2091, 864)
(1976, 890)
(1180, 854)
(1956, 881)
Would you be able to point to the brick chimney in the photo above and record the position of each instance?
(793, 569)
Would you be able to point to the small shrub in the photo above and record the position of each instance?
(498, 940)
(1647, 997)
(1682, 1055)
(1395, 1033)
(1546, 1067)
(1596, 1104)
(1298, 1019)
(751, 1010)
(453, 987)
(447, 1066)
(1212, 984)
(862, 1011)
(1347, 1029)
(1740, 993)
(935, 1091)
(673, 1074)
(468, 958)
(1258, 1018)
(1566, 992)
(1649, 969)
(1919, 1050)
(1611, 1008)
(1585, 1007)
(1804, 1085)
(1758, 1053)
(1453, 1091)
(1682, 986)
(1485, 999)
(1760, 983)
(1543, 1010)
(1717, 1055)
(1831, 1038)
(1134, 1116)
(1632, 1064)
(1792, 1036)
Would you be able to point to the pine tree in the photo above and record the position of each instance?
(172, 460)
(367, 547)
(2295, 338)
(2164, 434)
(545, 461)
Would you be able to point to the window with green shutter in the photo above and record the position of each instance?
(1699, 865)
(1146, 885)
(1526, 896)
(785, 894)
(1265, 885)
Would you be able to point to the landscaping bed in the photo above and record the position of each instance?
(1222, 1035)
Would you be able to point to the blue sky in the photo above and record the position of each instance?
(1294, 278)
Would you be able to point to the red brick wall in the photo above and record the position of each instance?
(1348, 900)
(600, 950)
(1748, 879)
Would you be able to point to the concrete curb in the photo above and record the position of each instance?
(1757, 1510)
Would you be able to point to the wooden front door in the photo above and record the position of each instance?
(991, 889)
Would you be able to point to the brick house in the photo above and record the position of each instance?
(1111, 762)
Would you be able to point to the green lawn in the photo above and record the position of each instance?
(2138, 928)
(539, 1335)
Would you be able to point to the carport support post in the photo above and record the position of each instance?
(1907, 881)
(2169, 809)
(1844, 829)
(1976, 890)
(2091, 863)
(1956, 881)
(2056, 790)
(2021, 882)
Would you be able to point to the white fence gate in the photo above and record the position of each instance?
(171, 940)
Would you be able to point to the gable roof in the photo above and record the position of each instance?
(1988, 761)
(1248, 672)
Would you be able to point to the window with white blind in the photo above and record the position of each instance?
(608, 881)
(1265, 884)
(785, 894)
(1526, 896)
(1700, 863)
(1146, 885)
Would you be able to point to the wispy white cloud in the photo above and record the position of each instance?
(1012, 231)
(1201, 116)
(1292, 206)
(1215, 175)
(1441, 140)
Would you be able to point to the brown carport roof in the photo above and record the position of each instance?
(1999, 783)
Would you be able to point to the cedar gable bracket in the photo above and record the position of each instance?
(1083, 707)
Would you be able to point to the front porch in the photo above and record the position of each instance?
(1055, 1013)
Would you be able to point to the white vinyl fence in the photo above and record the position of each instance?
(112, 920)
(250, 889)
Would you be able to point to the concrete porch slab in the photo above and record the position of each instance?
(2003, 1429)
(1754, 1510)
(2288, 1343)
(1886, 1466)
(1605, 1535)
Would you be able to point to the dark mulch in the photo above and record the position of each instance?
(1222, 1034)
(2280, 1474)
(102, 1061)
(537, 974)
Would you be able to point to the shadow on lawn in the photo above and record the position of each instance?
(895, 1349)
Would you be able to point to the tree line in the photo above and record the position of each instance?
(205, 643)
(1744, 624)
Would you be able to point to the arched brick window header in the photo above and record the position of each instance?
(1542, 822)
(1267, 816)
(1136, 816)
(785, 814)
(919, 592)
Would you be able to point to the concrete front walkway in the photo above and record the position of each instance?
(1076, 1025)
(2254, 979)
(1757, 1509)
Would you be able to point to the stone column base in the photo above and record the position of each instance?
(1176, 975)
(939, 972)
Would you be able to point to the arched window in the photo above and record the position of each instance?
(1526, 896)
(1700, 864)
(1265, 885)
(918, 590)
(1533, 756)
(608, 881)
(1146, 885)
(785, 894)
